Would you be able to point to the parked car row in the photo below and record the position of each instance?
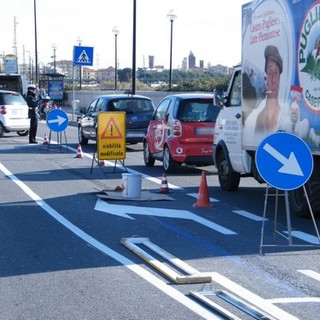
(178, 131)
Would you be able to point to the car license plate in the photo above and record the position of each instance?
(205, 131)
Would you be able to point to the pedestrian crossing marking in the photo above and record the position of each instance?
(83, 57)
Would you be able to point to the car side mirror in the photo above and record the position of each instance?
(83, 110)
(219, 98)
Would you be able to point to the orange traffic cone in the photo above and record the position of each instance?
(101, 163)
(164, 184)
(79, 152)
(203, 198)
(45, 140)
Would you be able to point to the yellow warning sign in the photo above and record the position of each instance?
(111, 133)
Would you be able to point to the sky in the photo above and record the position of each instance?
(211, 29)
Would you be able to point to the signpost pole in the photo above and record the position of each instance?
(286, 199)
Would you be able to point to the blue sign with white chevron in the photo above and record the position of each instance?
(284, 161)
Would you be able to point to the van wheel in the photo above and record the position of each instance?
(23, 133)
(169, 165)
(298, 203)
(82, 139)
(147, 156)
(229, 180)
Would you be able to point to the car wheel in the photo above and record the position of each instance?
(229, 180)
(169, 165)
(147, 156)
(23, 133)
(82, 139)
(2, 130)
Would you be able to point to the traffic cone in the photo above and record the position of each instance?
(45, 140)
(164, 184)
(101, 163)
(203, 198)
(79, 152)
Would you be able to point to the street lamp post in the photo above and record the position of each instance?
(80, 69)
(115, 31)
(35, 38)
(54, 47)
(134, 47)
(171, 16)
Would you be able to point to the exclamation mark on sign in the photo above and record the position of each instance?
(111, 130)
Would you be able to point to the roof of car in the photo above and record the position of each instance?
(191, 95)
(9, 91)
(124, 96)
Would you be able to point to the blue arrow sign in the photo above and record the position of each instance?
(82, 56)
(284, 161)
(57, 120)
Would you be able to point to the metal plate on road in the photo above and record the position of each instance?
(57, 120)
(284, 161)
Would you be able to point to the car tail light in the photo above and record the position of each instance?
(177, 128)
(3, 110)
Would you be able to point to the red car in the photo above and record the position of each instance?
(181, 131)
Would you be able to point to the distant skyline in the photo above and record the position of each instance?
(211, 29)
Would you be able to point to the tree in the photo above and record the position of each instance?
(125, 75)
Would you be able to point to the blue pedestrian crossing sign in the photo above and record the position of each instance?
(284, 161)
(82, 56)
(57, 120)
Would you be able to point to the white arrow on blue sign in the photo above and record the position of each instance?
(284, 161)
(57, 120)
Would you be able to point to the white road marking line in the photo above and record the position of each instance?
(246, 295)
(126, 210)
(305, 237)
(311, 274)
(294, 300)
(196, 196)
(248, 215)
(161, 285)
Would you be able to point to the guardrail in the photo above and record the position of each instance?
(84, 97)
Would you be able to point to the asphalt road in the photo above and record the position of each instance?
(63, 254)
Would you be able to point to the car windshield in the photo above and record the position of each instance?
(197, 110)
(133, 105)
(11, 98)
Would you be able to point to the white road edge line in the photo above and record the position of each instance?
(161, 285)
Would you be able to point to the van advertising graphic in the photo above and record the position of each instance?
(281, 70)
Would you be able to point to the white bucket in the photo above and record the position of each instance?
(131, 185)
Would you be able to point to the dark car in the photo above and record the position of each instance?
(181, 131)
(138, 109)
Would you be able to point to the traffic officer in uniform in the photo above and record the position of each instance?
(33, 104)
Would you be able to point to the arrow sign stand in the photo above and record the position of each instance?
(275, 231)
(59, 140)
